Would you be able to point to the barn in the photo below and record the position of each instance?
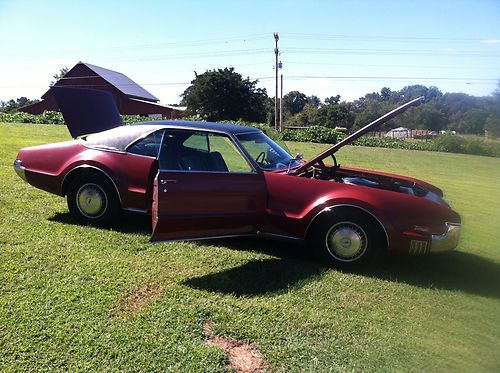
(130, 97)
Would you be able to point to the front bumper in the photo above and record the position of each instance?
(446, 241)
(20, 169)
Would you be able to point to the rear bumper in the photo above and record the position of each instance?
(446, 241)
(20, 169)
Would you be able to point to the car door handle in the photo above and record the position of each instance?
(164, 181)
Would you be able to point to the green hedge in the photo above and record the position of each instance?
(54, 117)
(48, 117)
(318, 134)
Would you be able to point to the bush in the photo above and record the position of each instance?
(466, 145)
(317, 134)
(48, 117)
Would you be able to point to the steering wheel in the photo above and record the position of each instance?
(335, 164)
(335, 167)
(263, 160)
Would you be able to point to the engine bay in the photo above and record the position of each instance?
(335, 173)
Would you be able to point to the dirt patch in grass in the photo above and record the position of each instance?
(136, 301)
(243, 357)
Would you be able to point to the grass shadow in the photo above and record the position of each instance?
(291, 268)
(259, 277)
(294, 264)
(454, 271)
(130, 222)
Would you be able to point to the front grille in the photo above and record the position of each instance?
(418, 247)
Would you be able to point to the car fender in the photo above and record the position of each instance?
(70, 175)
(330, 206)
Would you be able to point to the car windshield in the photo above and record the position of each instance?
(265, 152)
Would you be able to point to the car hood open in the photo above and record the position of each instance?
(87, 111)
(349, 139)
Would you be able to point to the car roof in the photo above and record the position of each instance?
(228, 128)
(120, 137)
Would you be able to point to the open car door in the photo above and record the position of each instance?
(205, 188)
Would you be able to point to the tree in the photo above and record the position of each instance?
(59, 75)
(386, 93)
(307, 117)
(333, 115)
(332, 100)
(313, 101)
(13, 105)
(294, 102)
(222, 94)
(492, 125)
(496, 92)
(472, 121)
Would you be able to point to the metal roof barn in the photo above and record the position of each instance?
(130, 97)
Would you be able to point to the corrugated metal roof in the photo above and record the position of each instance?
(122, 82)
(179, 108)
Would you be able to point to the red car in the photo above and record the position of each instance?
(204, 180)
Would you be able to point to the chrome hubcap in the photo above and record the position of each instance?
(91, 200)
(346, 241)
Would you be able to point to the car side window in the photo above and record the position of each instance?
(200, 151)
(223, 148)
(148, 146)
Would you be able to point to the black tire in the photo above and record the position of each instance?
(92, 200)
(347, 238)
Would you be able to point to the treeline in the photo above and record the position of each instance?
(12, 105)
(223, 94)
(458, 112)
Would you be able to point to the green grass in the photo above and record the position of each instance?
(81, 298)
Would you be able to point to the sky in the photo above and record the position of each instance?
(327, 48)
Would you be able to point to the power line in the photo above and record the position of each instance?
(291, 77)
(447, 67)
(380, 37)
(396, 52)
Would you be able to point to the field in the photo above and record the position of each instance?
(81, 298)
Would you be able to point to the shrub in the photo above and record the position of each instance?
(317, 134)
(48, 117)
(466, 145)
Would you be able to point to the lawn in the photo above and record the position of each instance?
(81, 298)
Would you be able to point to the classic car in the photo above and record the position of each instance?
(203, 180)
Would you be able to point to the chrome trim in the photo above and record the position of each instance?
(209, 172)
(330, 208)
(104, 149)
(132, 209)
(448, 240)
(202, 238)
(141, 155)
(275, 236)
(350, 239)
(258, 234)
(20, 169)
(95, 168)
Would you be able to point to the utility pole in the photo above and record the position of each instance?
(281, 101)
(276, 107)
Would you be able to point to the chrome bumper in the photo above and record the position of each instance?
(446, 241)
(20, 169)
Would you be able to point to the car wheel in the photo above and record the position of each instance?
(347, 238)
(93, 201)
